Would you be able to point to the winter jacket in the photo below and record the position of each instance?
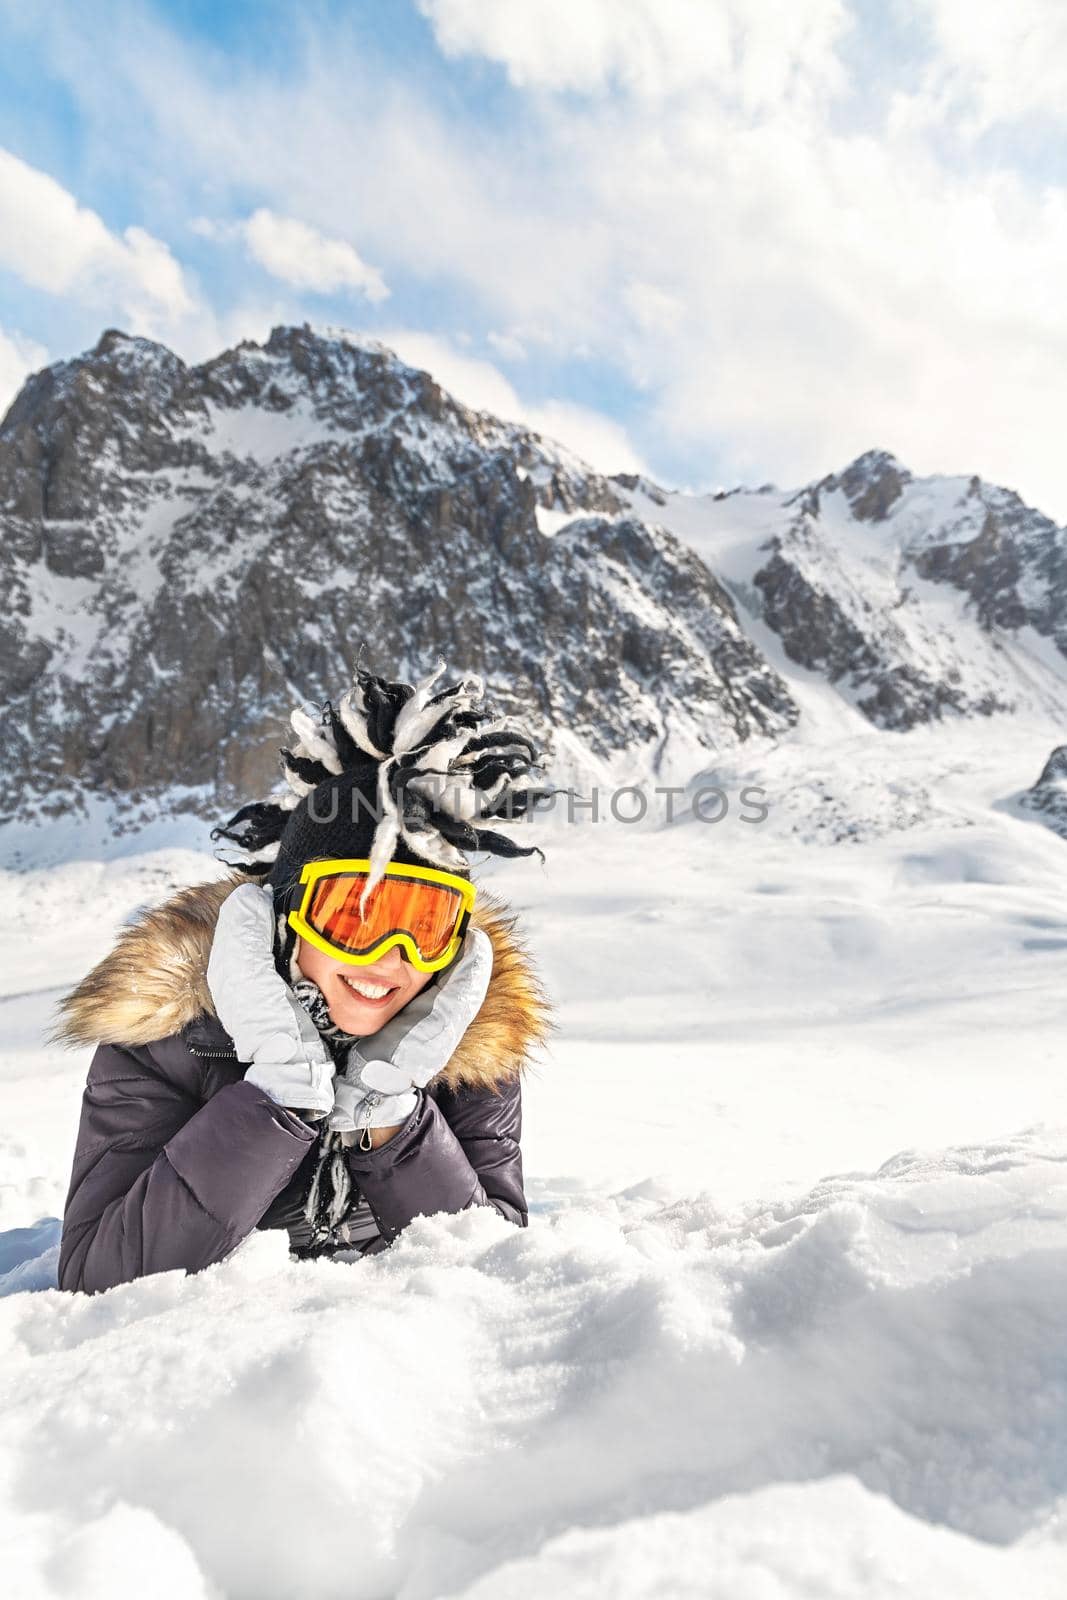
(178, 1158)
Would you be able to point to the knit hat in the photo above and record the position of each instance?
(394, 772)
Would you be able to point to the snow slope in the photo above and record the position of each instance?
(789, 1324)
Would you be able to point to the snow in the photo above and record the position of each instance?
(617, 1369)
(252, 432)
(550, 519)
(104, 830)
(936, 508)
(360, 341)
(60, 610)
(69, 613)
(786, 1322)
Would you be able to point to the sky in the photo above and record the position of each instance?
(718, 241)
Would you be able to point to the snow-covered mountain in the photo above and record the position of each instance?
(187, 549)
(916, 598)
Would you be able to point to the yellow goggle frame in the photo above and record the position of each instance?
(315, 871)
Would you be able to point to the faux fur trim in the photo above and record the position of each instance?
(154, 983)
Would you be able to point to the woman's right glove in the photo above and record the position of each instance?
(269, 1027)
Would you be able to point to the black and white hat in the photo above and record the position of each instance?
(394, 772)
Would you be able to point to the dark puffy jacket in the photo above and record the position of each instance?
(178, 1158)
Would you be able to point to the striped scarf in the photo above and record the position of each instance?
(330, 1195)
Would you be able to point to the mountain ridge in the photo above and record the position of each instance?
(188, 549)
(186, 546)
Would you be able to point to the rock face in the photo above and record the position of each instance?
(1047, 798)
(871, 484)
(189, 550)
(1013, 569)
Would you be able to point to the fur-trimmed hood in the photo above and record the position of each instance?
(154, 984)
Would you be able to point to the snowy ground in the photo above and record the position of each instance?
(788, 1318)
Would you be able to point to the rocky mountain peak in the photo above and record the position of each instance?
(184, 545)
(130, 350)
(871, 483)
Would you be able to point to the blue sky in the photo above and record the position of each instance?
(721, 240)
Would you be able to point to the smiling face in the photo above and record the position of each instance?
(362, 998)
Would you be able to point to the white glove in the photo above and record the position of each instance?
(258, 1009)
(382, 1072)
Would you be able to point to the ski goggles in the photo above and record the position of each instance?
(422, 910)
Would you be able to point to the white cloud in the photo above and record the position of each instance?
(507, 345)
(994, 63)
(860, 295)
(18, 358)
(756, 53)
(52, 243)
(474, 382)
(434, 199)
(656, 311)
(596, 438)
(299, 255)
(794, 290)
(792, 264)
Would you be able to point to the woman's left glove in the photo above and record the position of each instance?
(383, 1071)
(258, 1009)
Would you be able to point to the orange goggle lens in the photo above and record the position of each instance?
(429, 912)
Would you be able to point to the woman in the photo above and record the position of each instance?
(330, 1040)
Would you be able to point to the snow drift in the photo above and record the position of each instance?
(874, 1376)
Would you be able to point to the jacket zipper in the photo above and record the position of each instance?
(232, 1054)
